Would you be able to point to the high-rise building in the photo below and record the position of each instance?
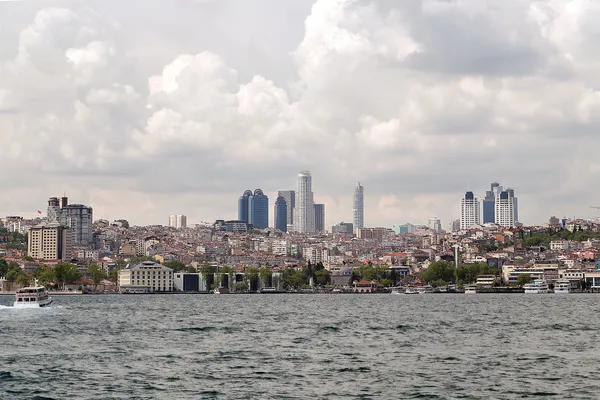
(435, 224)
(50, 242)
(319, 217)
(79, 218)
(505, 209)
(304, 212)
(511, 193)
(243, 206)
(454, 225)
(281, 214)
(358, 207)
(53, 213)
(258, 210)
(469, 211)
(178, 221)
(290, 199)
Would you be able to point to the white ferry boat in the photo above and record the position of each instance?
(32, 297)
(411, 290)
(470, 289)
(536, 287)
(562, 286)
(424, 289)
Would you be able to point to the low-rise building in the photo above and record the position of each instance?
(146, 277)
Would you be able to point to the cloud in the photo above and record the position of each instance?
(420, 101)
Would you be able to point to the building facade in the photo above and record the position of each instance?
(50, 242)
(346, 228)
(290, 199)
(469, 211)
(177, 221)
(258, 210)
(319, 217)
(435, 224)
(243, 206)
(304, 212)
(146, 277)
(281, 214)
(79, 218)
(358, 207)
(504, 209)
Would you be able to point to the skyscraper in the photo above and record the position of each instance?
(243, 206)
(505, 209)
(435, 224)
(281, 214)
(511, 193)
(258, 209)
(290, 199)
(177, 221)
(53, 213)
(79, 218)
(304, 212)
(319, 217)
(358, 207)
(469, 211)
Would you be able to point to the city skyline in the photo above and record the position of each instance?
(140, 113)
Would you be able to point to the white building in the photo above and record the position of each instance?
(435, 224)
(50, 242)
(304, 211)
(358, 207)
(178, 221)
(469, 211)
(505, 209)
(146, 277)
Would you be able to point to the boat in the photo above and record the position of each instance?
(268, 290)
(396, 290)
(562, 286)
(424, 289)
(32, 297)
(221, 290)
(538, 286)
(470, 289)
(411, 290)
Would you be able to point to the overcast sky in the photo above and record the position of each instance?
(145, 108)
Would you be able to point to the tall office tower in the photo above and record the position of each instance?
(258, 210)
(454, 225)
(435, 224)
(51, 242)
(79, 218)
(53, 212)
(281, 214)
(303, 212)
(177, 221)
(290, 199)
(469, 211)
(358, 207)
(319, 217)
(505, 209)
(489, 203)
(243, 206)
(511, 193)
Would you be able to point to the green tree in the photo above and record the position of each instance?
(66, 273)
(437, 270)
(251, 276)
(226, 271)
(23, 280)
(523, 279)
(44, 274)
(3, 267)
(208, 276)
(176, 266)
(97, 274)
(240, 287)
(12, 275)
(322, 277)
(292, 279)
(266, 275)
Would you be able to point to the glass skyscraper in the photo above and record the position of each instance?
(281, 214)
(319, 217)
(258, 210)
(243, 206)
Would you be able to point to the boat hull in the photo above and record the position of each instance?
(562, 291)
(43, 303)
(536, 291)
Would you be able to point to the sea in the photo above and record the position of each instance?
(302, 346)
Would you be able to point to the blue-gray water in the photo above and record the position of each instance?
(301, 347)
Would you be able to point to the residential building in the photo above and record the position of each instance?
(178, 221)
(230, 226)
(319, 217)
(290, 200)
(343, 227)
(358, 207)
(51, 242)
(406, 228)
(146, 277)
(469, 211)
(304, 212)
(244, 207)
(504, 209)
(258, 210)
(281, 214)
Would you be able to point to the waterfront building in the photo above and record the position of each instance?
(189, 282)
(504, 209)
(243, 206)
(319, 210)
(304, 212)
(258, 210)
(281, 214)
(358, 207)
(177, 221)
(469, 211)
(435, 224)
(290, 200)
(146, 277)
(50, 242)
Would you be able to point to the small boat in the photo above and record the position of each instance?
(221, 290)
(424, 289)
(470, 289)
(396, 290)
(411, 290)
(268, 290)
(562, 286)
(538, 286)
(32, 297)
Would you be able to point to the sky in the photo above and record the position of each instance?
(146, 108)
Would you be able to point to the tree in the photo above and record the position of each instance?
(97, 274)
(266, 275)
(66, 273)
(292, 279)
(226, 271)
(12, 275)
(240, 286)
(23, 279)
(437, 270)
(208, 276)
(44, 274)
(3, 267)
(322, 277)
(176, 266)
(251, 276)
(523, 279)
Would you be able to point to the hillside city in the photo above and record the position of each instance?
(70, 252)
